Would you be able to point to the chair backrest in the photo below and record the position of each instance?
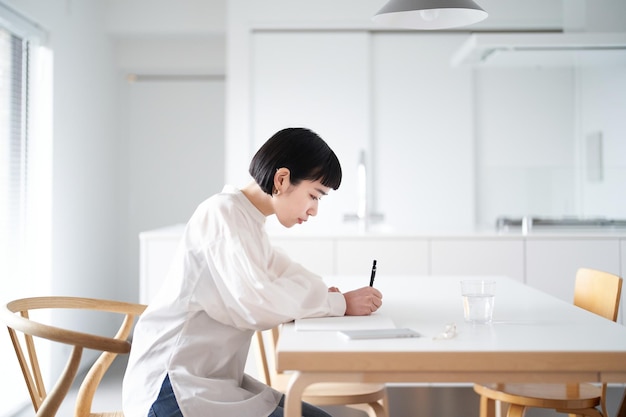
(24, 331)
(266, 350)
(598, 292)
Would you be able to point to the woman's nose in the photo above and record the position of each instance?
(312, 211)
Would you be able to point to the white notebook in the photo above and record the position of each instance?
(379, 334)
(374, 321)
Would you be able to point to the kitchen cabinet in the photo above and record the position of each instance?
(551, 263)
(480, 256)
(623, 258)
(316, 254)
(622, 315)
(394, 256)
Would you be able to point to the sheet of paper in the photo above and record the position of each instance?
(374, 321)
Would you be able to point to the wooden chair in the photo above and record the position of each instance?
(370, 398)
(595, 291)
(621, 412)
(24, 333)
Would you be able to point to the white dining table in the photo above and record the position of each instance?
(534, 337)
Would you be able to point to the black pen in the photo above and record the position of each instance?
(373, 274)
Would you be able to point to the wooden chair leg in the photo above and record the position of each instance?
(377, 410)
(374, 409)
(487, 407)
(516, 410)
(621, 412)
(588, 412)
(605, 413)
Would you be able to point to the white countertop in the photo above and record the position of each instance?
(174, 231)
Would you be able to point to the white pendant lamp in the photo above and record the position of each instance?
(429, 14)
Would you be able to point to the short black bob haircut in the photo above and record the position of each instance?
(300, 150)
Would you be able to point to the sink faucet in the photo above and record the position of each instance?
(363, 214)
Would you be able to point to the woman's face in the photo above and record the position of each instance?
(293, 204)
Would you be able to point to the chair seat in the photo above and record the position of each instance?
(368, 397)
(328, 393)
(557, 396)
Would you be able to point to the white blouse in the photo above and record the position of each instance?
(226, 281)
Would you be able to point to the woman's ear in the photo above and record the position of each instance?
(281, 180)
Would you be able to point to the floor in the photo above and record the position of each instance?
(442, 401)
(108, 396)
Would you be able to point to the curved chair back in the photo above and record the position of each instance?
(598, 292)
(24, 331)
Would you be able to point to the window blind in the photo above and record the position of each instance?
(13, 149)
(20, 176)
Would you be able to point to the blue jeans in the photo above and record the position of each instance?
(166, 405)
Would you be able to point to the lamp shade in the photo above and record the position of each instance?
(429, 14)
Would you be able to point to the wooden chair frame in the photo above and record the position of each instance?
(368, 397)
(15, 315)
(598, 292)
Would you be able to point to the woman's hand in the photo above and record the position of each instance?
(363, 301)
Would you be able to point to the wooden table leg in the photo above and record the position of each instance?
(293, 395)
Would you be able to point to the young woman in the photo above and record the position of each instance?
(227, 281)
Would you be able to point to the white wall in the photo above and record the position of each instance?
(299, 80)
(603, 105)
(172, 127)
(173, 134)
(149, 18)
(175, 155)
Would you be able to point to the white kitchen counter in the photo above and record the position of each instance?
(350, 233)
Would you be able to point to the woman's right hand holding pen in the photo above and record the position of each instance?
(363, 301)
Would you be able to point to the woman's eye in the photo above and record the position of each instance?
(313, 197)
